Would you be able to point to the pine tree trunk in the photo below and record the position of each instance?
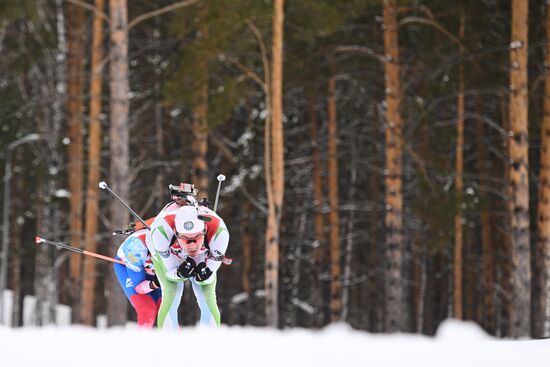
(14, 261)
(75, 101)
(488, 255)
(277, 169)
(293, 287)
(319, 220)
(504, 252)
(459, 185)
(335, 267)
(119, 144)
(161, 181)
(519, 175)
(374, 299)
(394, 302)
(420, 289)
(348, 253)
(87, 304)
(542, 256)
(199, 145)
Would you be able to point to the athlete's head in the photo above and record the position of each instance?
(134, 251)
(190, 230)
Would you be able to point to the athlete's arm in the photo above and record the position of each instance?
(161, 235)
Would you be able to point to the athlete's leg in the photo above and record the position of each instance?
(206, 298)
(143, 304)
(171, 296)
(146, 309)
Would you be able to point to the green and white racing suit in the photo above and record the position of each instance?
(167, 255)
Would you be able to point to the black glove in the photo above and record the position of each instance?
(187, 268)
(154, 283)
(203, 272)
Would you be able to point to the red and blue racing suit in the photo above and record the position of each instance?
(136, 277)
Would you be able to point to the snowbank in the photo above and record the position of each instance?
(457, 344)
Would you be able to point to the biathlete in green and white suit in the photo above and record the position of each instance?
(196, 254)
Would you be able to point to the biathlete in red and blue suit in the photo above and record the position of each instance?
(137, 278)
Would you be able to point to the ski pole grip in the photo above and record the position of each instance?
(220, 179)
(103, 185)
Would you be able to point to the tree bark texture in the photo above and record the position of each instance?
(349, 248)
(504, 251)
(200, 127)
(75, 102)
(319, 203)
(277, 168)
(335, 266)
(119, 143)
(488, 251)
(459, 185)
(519, 175)
(87, 304)
(542, 256)
(394, 299)
(200, 142)
(16, 252)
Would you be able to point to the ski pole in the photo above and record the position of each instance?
(103, 185)
(220, 179)
(40, 240)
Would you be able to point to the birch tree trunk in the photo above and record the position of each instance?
(277, 169)
(335, 267)
(51, 129)
(87, 304)
(119, 143)
(459, 185)
(540, 309)
(75, 71)
(43, 265)
(394, 300)
(519, 175)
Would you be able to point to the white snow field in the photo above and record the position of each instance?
(456, 344)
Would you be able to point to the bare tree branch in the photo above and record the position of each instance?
(422, 167)
(160, 11)
(406, 9)
(263, 51)
(361, 50)
(90, 8)
(226, 152)
(248, 72)
(433, 23)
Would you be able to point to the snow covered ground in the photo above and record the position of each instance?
(457, 344)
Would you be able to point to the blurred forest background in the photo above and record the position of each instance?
(387, 162)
